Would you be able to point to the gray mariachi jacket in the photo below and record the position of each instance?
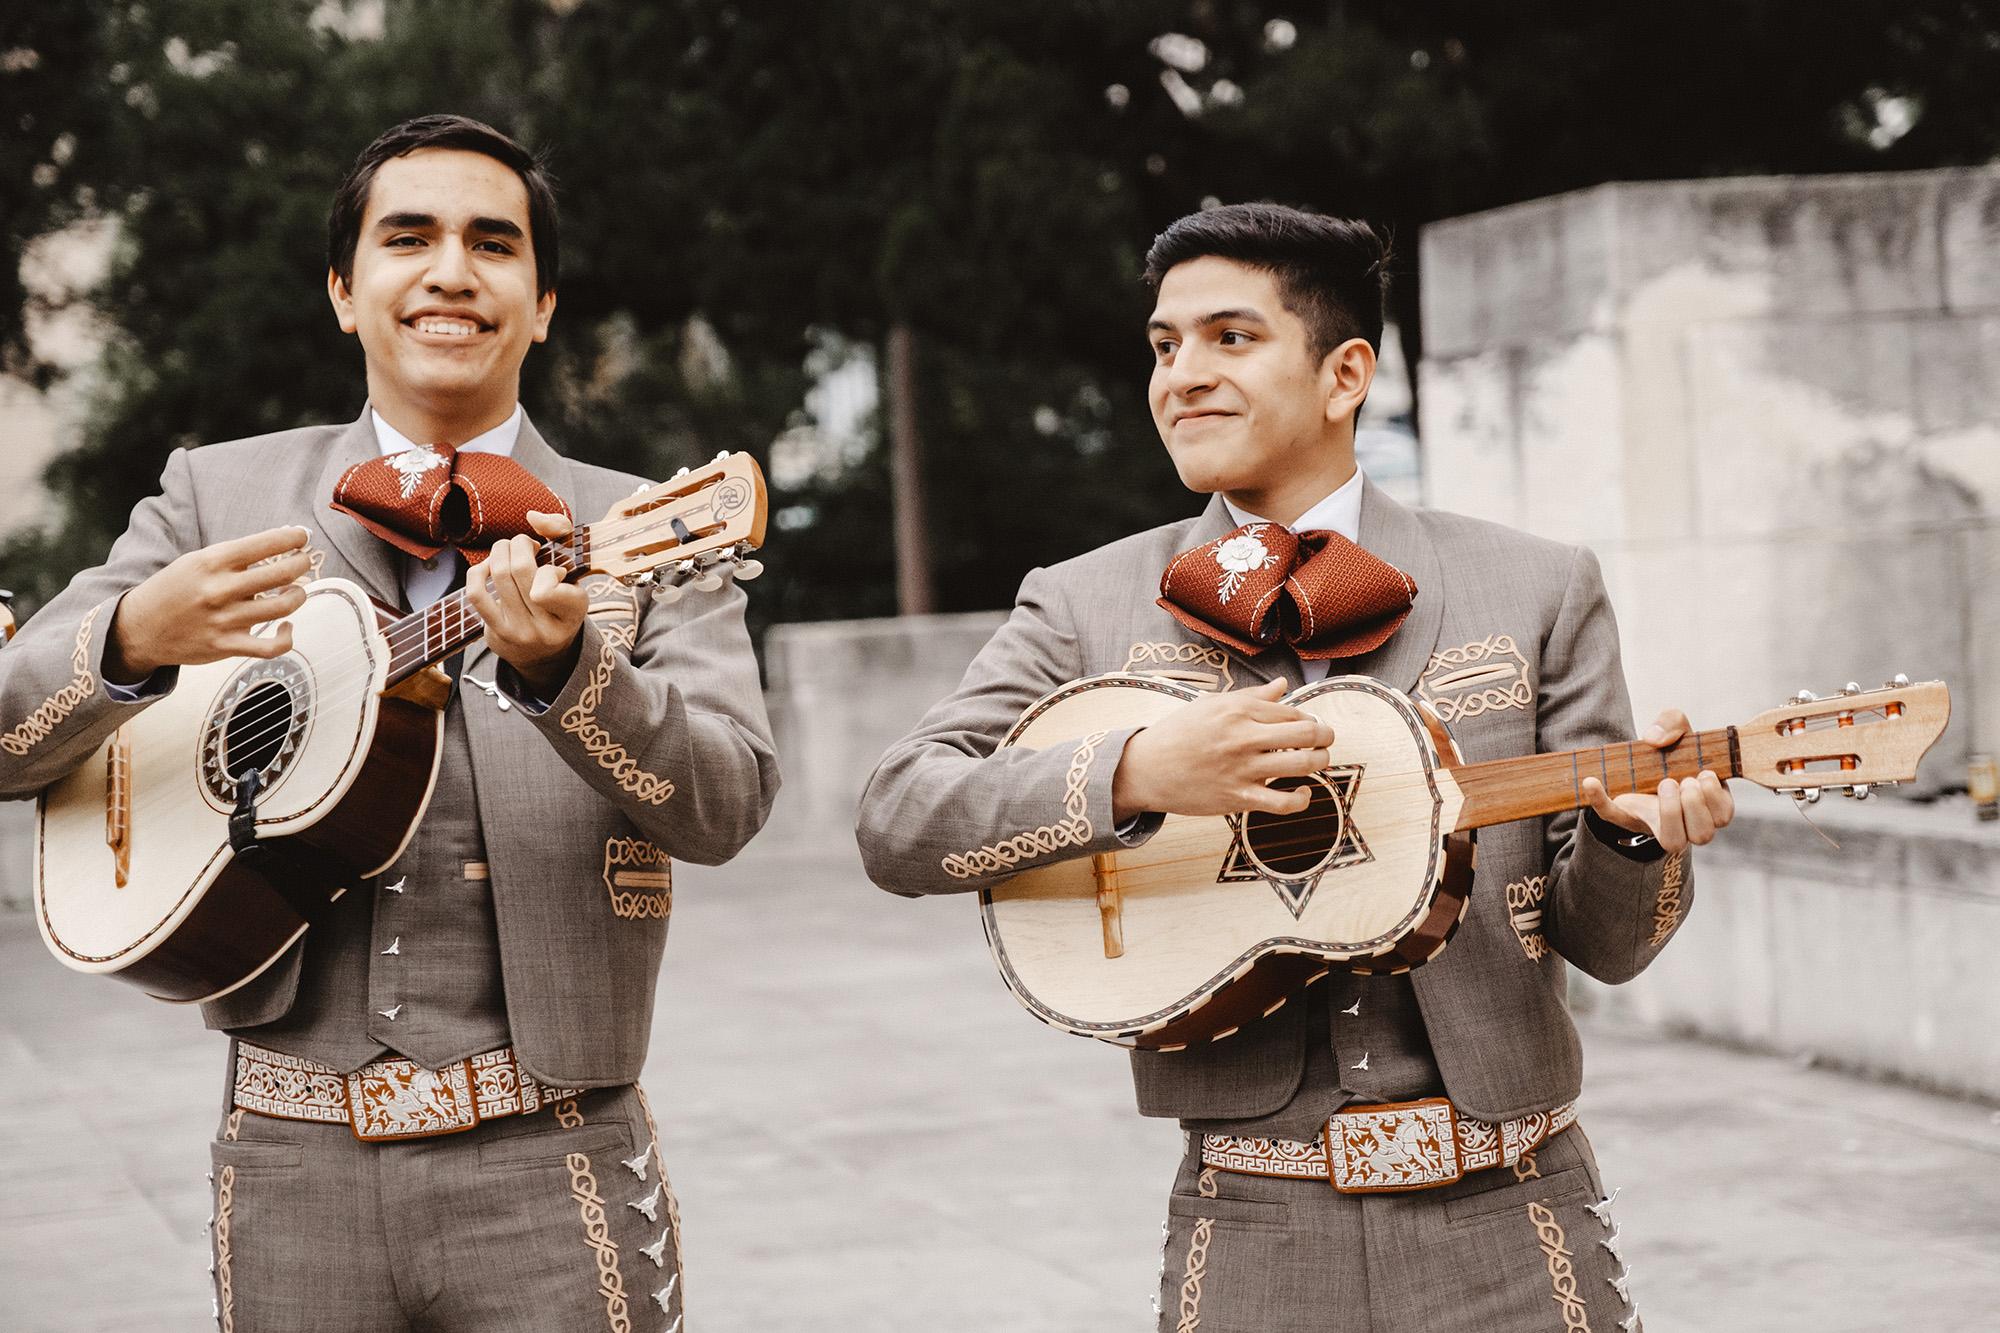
(1512, 642)
(658, 737)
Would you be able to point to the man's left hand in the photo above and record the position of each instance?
(533, 618)
(1680, 814)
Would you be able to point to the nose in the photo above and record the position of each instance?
(450, 269)
(1190, 374)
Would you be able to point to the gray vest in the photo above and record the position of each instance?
(408, 964)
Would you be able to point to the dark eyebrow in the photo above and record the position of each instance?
(425, 222)
(1245, 316)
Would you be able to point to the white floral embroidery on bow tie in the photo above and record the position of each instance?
(411, 464)
(1238, 556)
(650, 1205)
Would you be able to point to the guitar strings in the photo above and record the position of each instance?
(415, 627)
(336, 675)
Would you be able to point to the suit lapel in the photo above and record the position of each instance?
(363, 557)
(1391, 532)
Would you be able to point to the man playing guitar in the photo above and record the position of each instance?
(433, 1114)
(1264, 339)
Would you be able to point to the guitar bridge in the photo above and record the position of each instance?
(1110, 911)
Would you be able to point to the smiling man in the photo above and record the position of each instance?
(433, 1118)
(1314, 1193)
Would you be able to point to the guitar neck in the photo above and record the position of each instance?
(1503, 790)
(447, 625)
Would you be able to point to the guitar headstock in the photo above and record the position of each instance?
(694, 530)
(1848, 742)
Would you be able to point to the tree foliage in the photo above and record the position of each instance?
(742, 182)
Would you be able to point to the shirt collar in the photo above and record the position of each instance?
(1340, 511)
(500, 440)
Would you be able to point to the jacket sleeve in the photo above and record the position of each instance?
(675, 733)
(949, 810)
(55, 708)
(1608, 912)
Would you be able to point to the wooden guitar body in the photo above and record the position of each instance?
(135, 874)
(1215, 921)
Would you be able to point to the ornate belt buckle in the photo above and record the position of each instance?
(400, 1099)
(1402, 1146)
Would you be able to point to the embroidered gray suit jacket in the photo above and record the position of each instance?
(658, 737)
(1512, 641)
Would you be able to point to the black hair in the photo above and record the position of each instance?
(1332, 273)
(350, 201)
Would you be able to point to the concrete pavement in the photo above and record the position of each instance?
(866, 1133)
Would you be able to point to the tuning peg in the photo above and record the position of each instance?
(719, 457)
(748, 569)
(1804, 697)
(1806, 795)
(1850, 688)
(1859, 791)
(666, 594)
(682, 473)
(709, 579)
(642, 488)
(646, 580)
(1896, 682)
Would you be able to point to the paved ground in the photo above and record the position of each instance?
(867, 1134)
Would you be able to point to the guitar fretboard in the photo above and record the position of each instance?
(1543, 784)
(450, 623)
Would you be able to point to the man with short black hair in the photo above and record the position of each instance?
(1315, 1193)
(433, 1117)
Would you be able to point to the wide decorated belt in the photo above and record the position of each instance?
(389, 1099)
(1395, 1146)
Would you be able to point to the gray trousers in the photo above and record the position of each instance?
(1527, 1249)
(549, 1222)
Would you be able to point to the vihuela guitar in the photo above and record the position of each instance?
(1215, 921)
(206, 834)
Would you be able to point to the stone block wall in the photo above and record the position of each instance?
(1772, 407)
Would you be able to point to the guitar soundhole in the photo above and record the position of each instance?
(257, 724)
(257, 728)
(1294, 846)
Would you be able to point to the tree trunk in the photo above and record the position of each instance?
(914, 593)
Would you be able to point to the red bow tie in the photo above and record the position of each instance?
(1264, 584)
(425, 499)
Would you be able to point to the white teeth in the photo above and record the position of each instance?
(454, 328)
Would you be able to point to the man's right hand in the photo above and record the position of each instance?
(1214, 755)
(202, 606)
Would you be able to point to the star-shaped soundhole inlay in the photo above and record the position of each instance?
(1292, 852)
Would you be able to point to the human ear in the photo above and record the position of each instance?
(1345, 376)
(545, 309)
(343, 301)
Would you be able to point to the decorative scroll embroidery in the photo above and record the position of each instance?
(567, 1115)
(1265, 1157)
(640, 879)
(273, 1083)
(43, 721)
(614, 608)
(1562, 1275)
(1524, 901)
(1667, 906)
(1482, 677)
(1197, 1259)
(1525, 1169)
(580, 720)
(1073, 831)
(225, 1204)
(1151, 657)
(597, 1234)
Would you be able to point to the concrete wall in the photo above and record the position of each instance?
(1772, 406)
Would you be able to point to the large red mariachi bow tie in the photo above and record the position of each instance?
(426, 499)
(1263, 584)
